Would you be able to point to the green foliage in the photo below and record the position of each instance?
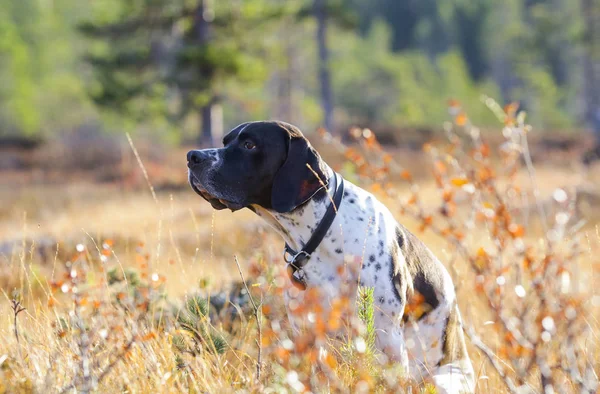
(512, 50)
(116, 275)
(140, 65)
(41, 88)
(197, 307)
(361, 350)
(366, 302)
(545, 100)
(404, 88)
(199, 334)
(154, 63)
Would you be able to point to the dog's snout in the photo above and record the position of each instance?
(202, 157)
(194, 157)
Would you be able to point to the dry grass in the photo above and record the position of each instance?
(116, 335)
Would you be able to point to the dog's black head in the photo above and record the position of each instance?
(262, 163)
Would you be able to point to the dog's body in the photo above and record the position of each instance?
(416, 315)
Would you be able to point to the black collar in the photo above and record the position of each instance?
(297, 260)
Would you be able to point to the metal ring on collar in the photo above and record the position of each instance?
(294, 258)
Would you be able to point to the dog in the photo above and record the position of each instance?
(272, 169)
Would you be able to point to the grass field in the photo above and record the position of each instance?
(108, 275)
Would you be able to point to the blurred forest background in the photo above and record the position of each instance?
(103, 242)
(186, 70)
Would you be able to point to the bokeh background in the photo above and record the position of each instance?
(181, 69)
(76, 76)
(101, 99)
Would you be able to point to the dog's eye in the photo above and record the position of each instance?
(249, 145)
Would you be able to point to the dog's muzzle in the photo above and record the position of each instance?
(199, 162)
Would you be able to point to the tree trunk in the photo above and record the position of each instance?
(285, 86)
(281, 100)
(202, 28)
(591, 65)
(216, 116)
(205, 137)
(323, 64)
(501, 68)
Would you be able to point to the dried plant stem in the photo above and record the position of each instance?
(143, 168)
(154, 197)
(533, 179)
(106, 370)
(17, 308)
(489, 354)
(258, 316)
(119, 357)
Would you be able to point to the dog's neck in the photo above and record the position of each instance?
(296, 227)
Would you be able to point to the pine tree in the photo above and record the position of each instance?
(199, 336)
(169, 59)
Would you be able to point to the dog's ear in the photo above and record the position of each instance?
(295, 183)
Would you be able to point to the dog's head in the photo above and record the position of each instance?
(270, 164)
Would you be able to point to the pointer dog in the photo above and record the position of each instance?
(264, 166)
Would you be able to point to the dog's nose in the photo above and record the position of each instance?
(194, 157)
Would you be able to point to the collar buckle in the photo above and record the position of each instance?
(292, 258)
